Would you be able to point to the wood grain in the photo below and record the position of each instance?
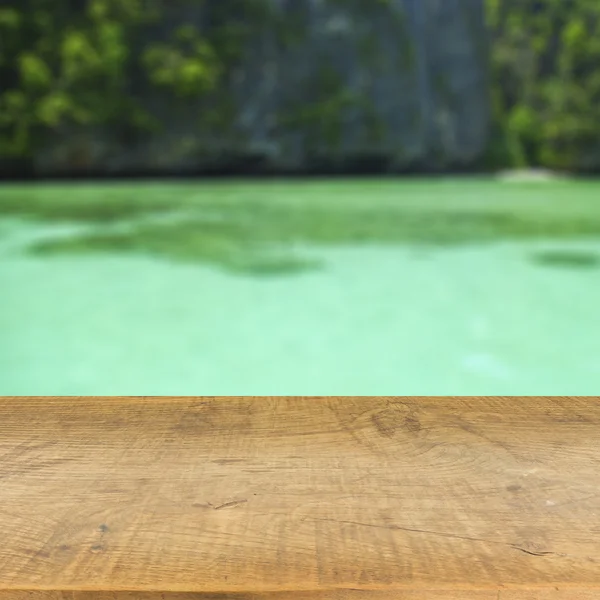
(299, 498)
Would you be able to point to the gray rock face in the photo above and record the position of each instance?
(400, 83)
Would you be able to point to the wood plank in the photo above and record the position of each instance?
(299, 498)
(343, 594)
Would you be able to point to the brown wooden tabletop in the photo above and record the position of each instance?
(351, 498)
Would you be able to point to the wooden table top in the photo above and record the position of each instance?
(331, 498)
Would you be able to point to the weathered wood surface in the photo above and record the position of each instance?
(301, 498)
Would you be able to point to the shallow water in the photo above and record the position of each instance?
(374, 320)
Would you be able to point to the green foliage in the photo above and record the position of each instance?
(189, 66)
(65, 62)
(546, 82)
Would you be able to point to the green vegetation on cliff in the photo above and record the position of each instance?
(546, 82)
(87, 62)
(90, 63)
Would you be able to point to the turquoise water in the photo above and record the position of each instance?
(375, 319)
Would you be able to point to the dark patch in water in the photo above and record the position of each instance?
(568, 259)
(256, 236)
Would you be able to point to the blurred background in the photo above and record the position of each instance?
(330, 197)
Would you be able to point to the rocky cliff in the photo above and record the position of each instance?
(305, 85)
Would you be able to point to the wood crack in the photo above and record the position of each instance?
(447, 535)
